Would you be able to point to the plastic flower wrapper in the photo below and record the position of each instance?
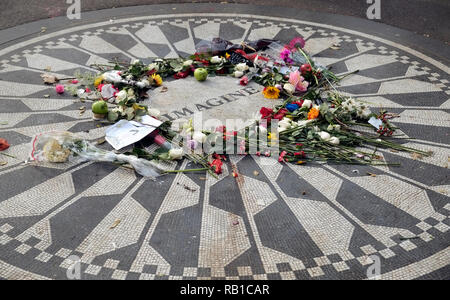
(59, 147)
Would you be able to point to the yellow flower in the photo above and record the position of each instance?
(271, 92)
(272, 136)
(98, 80)
(137, 107)
(227, 56)
(157, 79)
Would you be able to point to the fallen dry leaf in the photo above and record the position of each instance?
(164, 89)
(49, 79)
(371, 174)
(3, 163)
(115, 224)
(336, 47)
(416, 156)
(256, 173)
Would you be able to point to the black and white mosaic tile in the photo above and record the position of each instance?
(287, 222)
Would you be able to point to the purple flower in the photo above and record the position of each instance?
(192, 144)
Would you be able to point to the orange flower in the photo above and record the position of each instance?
(271, 92)
(313, 114)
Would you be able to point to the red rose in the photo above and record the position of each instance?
(180, 75)
(281, 114)
(265, 112)
(299, 103)
(3, 144)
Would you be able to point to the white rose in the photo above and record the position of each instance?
(285, 123)
(143, 84)
(241, 67)
(289, 88)
(334, 140)
(176, 154)
(199, 137)
(307, 103)
(136, 61)
(216, 60)
(187, 63)
(325, 136)
(153, 66)
(238, 74)
(121, 96)
(154, 112)
(334, 127)
(130, 93)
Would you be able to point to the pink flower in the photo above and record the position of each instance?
(74, 81)
(60, 89)
(282, 155)
(298, 81)
(285, 55)
(244, 81)
(297, 42)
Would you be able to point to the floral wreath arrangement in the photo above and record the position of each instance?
(314, 122)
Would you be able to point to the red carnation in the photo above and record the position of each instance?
(282, 155)
(217, 166)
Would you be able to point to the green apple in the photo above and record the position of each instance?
(100, 109)
(201, 74)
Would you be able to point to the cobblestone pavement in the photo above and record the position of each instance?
(281, 222)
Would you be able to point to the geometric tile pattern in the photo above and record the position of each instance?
(281, 222)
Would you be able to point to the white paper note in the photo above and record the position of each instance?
(125, 133)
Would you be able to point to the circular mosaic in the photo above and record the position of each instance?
(272, 222)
